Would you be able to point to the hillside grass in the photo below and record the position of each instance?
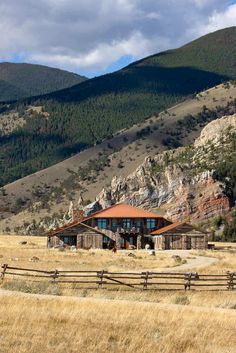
(94, 110)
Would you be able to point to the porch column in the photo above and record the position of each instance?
(117, 240)
(163, 242)
(185, 242)
(139, 244)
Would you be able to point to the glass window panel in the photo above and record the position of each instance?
(66, 240)
(105, 239)
(114, 223)
(102, 223)
(151, 223)
(138, 224)
(127, 223)
(122, 242)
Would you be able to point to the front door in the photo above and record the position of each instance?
(127, 240)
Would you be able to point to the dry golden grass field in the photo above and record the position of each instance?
(71, 320)
(13, 253)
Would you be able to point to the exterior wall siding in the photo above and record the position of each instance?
(181, 242)
(89, 240)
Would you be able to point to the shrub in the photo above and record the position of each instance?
(181, 300)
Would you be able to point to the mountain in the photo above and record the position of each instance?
(58, 125)
(45, 195)
(18, 81)
(196, 182)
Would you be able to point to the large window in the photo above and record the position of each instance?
(71, 240)
(122, 242)
(126, 223)
(105, 239)
(151, 223)
(138, 224)
(102, 223)
(114, 224)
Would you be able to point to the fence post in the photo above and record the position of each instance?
(55, 275)
(187, 284)
(100, 275)
(230, 280)
(145, 283)
(4, 267)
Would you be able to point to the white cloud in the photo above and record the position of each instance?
(219, 20)
(92, 34)
(102, 55)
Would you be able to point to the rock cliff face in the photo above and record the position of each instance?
(182, 182)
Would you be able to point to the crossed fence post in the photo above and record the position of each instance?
(230, 280)
(145, 283)
(4, 267)
(55, 275)
(100, 274)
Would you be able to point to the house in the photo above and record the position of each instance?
(125, 227)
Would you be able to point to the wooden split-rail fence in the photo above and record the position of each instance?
(135, 280)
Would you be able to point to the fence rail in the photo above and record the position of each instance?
(136, 280)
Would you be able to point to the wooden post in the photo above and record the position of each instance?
(187, 284)
(230, 280)
(139, 244)
(145, 283)
(55, 275)
(4, 267)
(117, 240)
(100, 275)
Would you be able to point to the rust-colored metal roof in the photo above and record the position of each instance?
(124, 211)
(186, 227)
(117, 211)
(168, 228)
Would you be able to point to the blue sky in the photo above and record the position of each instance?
(93, 37)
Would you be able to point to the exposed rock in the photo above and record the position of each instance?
(91, 208)
(34, 259)
(22, 242)
(174, 187)
(216, 129)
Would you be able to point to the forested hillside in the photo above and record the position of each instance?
(18, 81)
(87, 113)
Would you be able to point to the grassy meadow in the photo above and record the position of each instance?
(22, 255)
(72, 325)
(71, 320)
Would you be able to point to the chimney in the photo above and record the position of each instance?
(78, 215)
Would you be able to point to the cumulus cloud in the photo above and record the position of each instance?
(92, 34)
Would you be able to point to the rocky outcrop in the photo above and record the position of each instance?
(216, 130)
(182, 189)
